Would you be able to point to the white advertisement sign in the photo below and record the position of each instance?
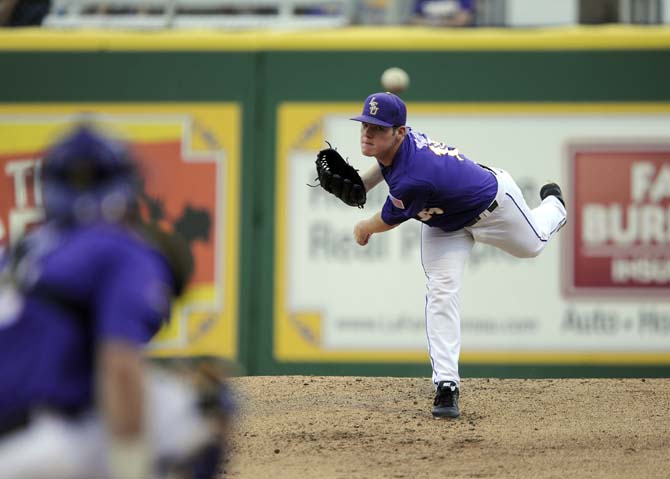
(372, 298)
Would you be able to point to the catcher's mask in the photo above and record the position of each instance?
(87, 177)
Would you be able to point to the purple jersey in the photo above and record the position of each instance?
(434, 183)
(78, 287)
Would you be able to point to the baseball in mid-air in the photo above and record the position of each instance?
(395, 80)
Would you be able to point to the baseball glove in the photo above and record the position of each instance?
(339, 178)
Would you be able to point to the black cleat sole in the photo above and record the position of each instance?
(552, 189)
(445, 414)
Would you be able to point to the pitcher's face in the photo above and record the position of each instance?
(377, 140)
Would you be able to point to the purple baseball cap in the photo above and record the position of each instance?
(383, 109)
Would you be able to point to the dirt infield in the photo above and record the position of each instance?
(359, 427)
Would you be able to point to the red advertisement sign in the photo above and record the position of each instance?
(20, 199)
(178, 194)
(620, 221)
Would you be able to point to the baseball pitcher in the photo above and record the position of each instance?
(459, 202)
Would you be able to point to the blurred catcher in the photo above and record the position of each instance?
(80, 296)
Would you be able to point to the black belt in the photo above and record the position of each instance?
(14, 423)
(490, 209)
(21, 420)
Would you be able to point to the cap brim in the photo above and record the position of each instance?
(372, 120)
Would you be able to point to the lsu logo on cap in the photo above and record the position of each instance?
(374, 106)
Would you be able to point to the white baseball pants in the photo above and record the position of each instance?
(513, 227)
(55, 447)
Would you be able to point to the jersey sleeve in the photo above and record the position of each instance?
(134, 299)
(407, 205)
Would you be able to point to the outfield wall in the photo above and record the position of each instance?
(228, 124)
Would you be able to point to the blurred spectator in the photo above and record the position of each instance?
(598, 11)
(443, 13)
(23, 13)
(372, 12)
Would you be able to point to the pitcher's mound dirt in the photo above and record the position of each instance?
(361, 427)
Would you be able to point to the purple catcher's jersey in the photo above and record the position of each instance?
(75, 288)
(435, 184)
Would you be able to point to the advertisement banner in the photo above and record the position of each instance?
(621, 239)
(337, 301)
(188, 155)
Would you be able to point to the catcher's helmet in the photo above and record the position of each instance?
(87, 177)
